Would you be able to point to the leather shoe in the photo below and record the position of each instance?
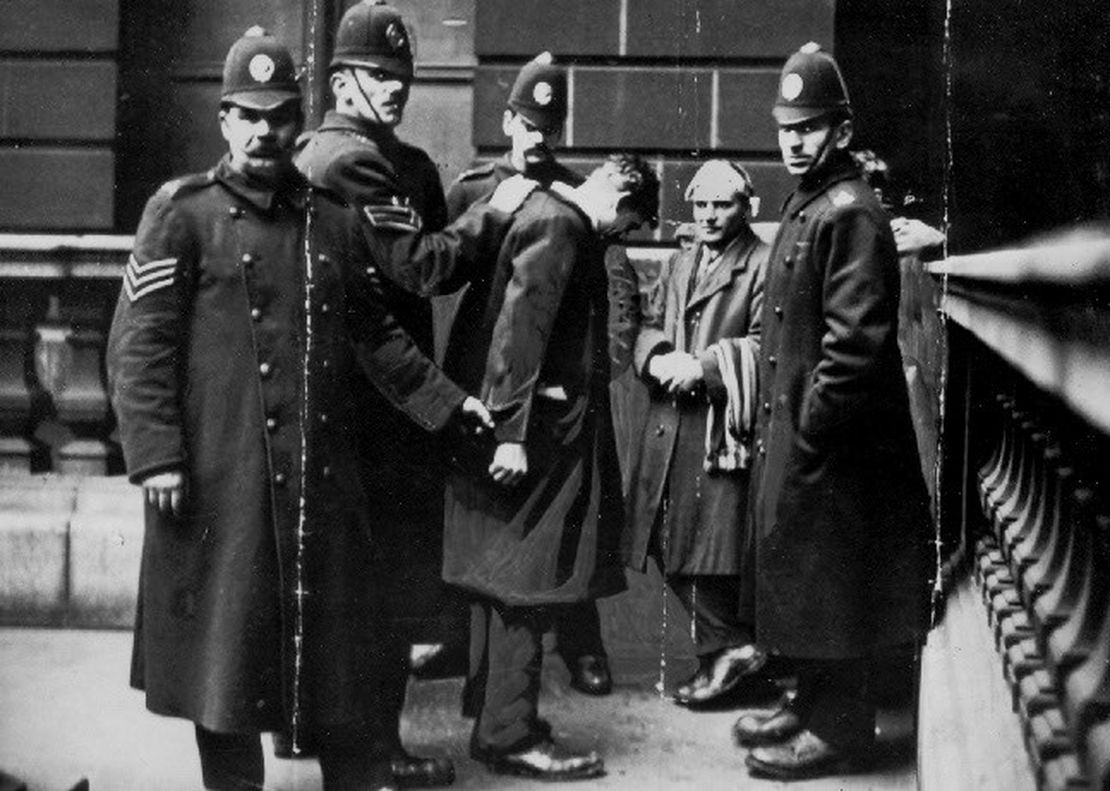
(547, 761)
(754, 730)
(721, 675)
(412, 771)
(804, 755)
(590, 674)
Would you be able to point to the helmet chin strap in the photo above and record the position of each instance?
(365, 98)
(818, 158)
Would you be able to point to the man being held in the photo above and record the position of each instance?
(533, 122)
(533, 522)
(840, 511)
(697, 353)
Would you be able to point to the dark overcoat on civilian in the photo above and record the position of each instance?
(843, 548)
(533, 341)
(701, 517)
(256, 605)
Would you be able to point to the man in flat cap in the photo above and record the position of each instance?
(843, 549)
(687, 500)
(250, 305)
(533, 122)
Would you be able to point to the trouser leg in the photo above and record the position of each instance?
(509, 717)
(578, 631)
(353, 758)
(230, 761)
(712, 601)
(834, 701)
(474, 690)
(393, 688)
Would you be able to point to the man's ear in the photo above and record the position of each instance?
(844, 132)
(506, 123)
(338, 82)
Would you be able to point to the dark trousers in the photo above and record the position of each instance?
(577, 630)
(506, 657)
(350, 760)
(835, 702)
(712, 601)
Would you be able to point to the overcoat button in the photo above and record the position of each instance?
(766, 406)
(325, 308)
(249, 258)
(789, 260)
(323, 258)
(772, 360)
(256, 314)
(801, 216)
(235, 212)
(271, 424)
(660, 430)
(279, 479)
(323, 417)
(778, 311)
(370, 270)
(326, 472)
(264, 369)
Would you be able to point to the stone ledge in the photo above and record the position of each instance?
(72, 547)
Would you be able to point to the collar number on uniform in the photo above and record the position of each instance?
(142, 279)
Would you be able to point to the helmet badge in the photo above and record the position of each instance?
(261, 67)
(395, 35)
(543, 93)
(792, 86)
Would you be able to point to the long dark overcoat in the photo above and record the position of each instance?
(402, 471)
(254, 610)
(840, 511)
(534, 341)
(702, 518)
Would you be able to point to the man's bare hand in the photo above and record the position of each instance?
(913, 236)
(512, 192)
(686, 372)
(475, 414)
(165, 491)
(510, 463)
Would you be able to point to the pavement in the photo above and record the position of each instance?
(67, 713)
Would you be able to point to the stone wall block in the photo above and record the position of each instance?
(106, 534)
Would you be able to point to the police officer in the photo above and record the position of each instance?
(249, 304)
(840, 511)
(356, 154)
(533, 121)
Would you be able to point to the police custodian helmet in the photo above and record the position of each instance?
(811, 86)
(540, 93)
(259, 73)
(372, 35)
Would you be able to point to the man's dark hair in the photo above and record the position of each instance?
(630, 172)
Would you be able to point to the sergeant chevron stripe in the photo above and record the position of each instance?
(141, 279)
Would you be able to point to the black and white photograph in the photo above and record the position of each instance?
(506, 394)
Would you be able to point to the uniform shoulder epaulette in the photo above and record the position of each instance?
(186, 184)
(477, 171)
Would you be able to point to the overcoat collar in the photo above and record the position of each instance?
(734, 259)
(380, 134)
(841, 168)
(293, 190)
